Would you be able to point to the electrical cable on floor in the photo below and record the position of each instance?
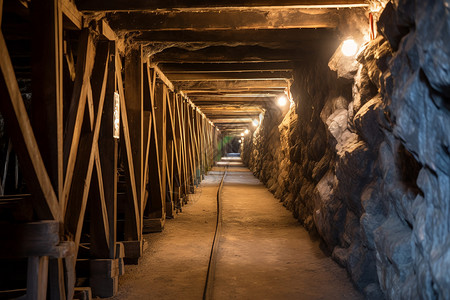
(209, 283)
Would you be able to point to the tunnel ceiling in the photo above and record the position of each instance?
(232, 58)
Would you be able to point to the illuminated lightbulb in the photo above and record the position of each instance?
(240, 141)
(349, 47)
(242, 134)
(246, 131)
(255, 122)
(282, 100)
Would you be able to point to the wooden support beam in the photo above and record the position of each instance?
(22, 136)
(47, 87)
(234, 54)
(74, 18)
(37, 276)
(220, 99)
(191, 68)
(108, 150)
(230, 85)
(243, 36)
(227, 19)
(259, 75)
(135, 114)
(113, 5)
(128, 152)
(162, 76)
(72, 133)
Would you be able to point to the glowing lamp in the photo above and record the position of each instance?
(255, 122)
(349, 47)
(242, 134)
(240, 141)
(246, 131)
(282, 100)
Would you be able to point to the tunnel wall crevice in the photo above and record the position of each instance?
(363, 159)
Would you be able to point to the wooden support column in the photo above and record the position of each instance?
(47, 114)
(159, 125)
(133, 245)
(135, 113)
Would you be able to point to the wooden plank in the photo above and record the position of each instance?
(88, 148)
(37, 276)
(236, 54)
(99, 226)
(85, 62)
(74, 17)
(227, 19)
(135, 110)
(112, 5)
(106, 31)
(128, 150)
(162, 77)
(259, 75)
(47, 87)
(22, 136)
(225, 67)
(243, 36)
(1, 12)
(108, 149)
(230, 85)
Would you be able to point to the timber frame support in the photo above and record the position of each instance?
(107, 151)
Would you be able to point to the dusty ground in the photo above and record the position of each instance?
(263, 252)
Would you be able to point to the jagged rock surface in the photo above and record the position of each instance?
(364, 160)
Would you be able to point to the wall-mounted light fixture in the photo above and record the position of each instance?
(349, 47)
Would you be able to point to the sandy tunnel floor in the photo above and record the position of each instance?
(263, 252)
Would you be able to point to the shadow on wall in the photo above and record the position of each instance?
(364, 159)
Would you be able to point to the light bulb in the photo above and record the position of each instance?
(349, 47)
(282, 100)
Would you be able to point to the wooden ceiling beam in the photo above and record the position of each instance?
(226, 19)
(239, 54)
(231, 99)
(126, 5)
(262, 75)
(223, 68)
(231, 85)
(247, 36)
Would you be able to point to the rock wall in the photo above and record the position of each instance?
(364, 159)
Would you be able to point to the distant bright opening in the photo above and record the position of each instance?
(349, 47)
(282, 100)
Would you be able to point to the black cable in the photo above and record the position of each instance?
(209, 283)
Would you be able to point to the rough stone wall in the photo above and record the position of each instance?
(364, 159)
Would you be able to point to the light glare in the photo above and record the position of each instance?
(282, 100)
(242, 134)
(246, 131)
(255, 122)
(349, 47)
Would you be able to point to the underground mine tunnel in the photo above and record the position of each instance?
(252, 149)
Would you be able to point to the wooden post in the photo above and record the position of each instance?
(135, 112)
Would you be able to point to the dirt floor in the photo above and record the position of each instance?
(263, 252)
